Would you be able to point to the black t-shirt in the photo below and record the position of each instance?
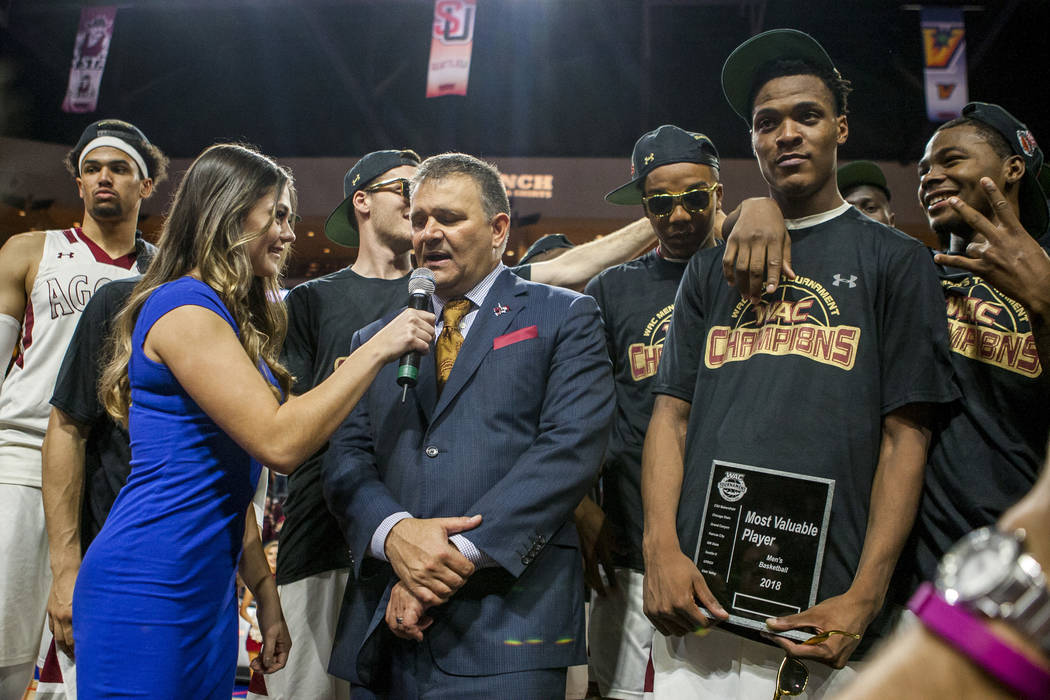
(994, 444)
(805, 387)
(107, 454)
(323, 315)
(636, 301)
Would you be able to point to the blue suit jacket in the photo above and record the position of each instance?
(516, 435)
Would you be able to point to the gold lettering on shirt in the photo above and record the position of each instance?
(644, 358)
(989, 327)
(831, 345)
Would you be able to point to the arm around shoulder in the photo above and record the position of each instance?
(573, 268)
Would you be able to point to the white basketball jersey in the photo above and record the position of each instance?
(71, 268)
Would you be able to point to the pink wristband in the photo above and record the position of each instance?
(970, 636)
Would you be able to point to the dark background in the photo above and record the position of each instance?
(548, 77)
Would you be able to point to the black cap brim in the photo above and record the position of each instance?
(1035, 213)
(743, 64)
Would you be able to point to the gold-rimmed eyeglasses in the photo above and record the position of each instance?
(695, 200)
(825, 636)
(402, 186)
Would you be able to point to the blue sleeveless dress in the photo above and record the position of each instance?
(155, 606)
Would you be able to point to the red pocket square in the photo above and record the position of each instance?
(515, 337)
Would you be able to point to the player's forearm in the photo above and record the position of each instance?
(62, 489)
(253, 567)
(894, 501)
(255, 571)
(574, 268)
(662, 470)
(307, 421)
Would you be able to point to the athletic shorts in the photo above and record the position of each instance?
(724, 666)
(25, 574)
(619, 638)
(58, 672)
(311, 610)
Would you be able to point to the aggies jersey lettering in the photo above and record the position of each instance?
(71, 268)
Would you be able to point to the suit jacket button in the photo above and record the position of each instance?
(432, 451)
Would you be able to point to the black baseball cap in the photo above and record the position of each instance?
(546, 243)
(740, 69)
(1032, 200)
(340, 226)
(662, 146)
(862, 172)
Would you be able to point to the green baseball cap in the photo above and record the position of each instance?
(743, 64)
(862, 172)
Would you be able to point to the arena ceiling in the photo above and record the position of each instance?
(572, 78)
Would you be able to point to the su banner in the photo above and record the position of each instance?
(89, 59)
(451, 44)
(944, 53)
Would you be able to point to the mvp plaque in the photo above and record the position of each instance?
(761, 542)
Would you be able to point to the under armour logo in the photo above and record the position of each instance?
(851, 281)
(70, 254)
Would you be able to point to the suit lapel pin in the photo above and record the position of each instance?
(500, 309)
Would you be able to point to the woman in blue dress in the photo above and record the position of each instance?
(195, 376)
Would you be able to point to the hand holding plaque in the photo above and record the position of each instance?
(838, 614)
(673, 593)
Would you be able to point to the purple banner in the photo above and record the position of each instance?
(944, 53)
(89, 59)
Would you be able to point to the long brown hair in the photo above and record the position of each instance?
(205, 231)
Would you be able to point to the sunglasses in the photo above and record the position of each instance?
(695, 201)
(402, 186)
(792, 677)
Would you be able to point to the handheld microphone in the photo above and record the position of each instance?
(420, 287)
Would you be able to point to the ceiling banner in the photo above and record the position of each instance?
(450, 47)
(89, 59)
(944, 51)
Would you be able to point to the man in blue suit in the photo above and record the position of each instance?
(458, 503)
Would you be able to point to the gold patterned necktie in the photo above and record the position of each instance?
(450, 340)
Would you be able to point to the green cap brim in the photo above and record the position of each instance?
(338, 227)
(861, 172)
(628, 194)
(740, 68)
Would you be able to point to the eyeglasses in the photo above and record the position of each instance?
(402, 186)
(695, 200)
(792, 677)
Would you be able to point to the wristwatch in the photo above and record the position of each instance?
(988, 571)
